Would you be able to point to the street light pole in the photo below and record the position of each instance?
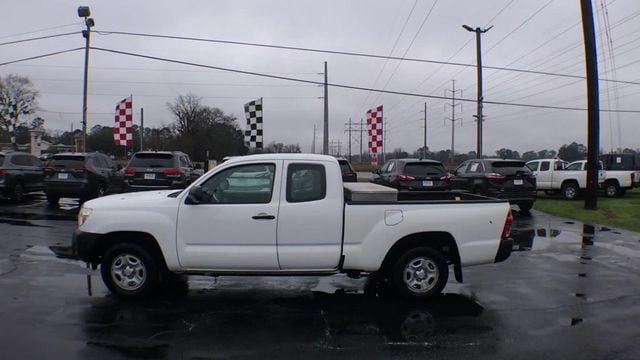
(85, 12)
(478, 32)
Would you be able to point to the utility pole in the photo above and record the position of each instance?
(85, 12)
(593, 126)
(362, 129)
(335, 146)
(354, 127)
(349, 131)
(325, 140)
(142, 128)
(479, 117)
(453, 118)
(424, 146)
(313, 143)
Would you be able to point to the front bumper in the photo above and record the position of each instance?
(504, 250)
(86, 246)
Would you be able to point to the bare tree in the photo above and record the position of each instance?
(17, 97)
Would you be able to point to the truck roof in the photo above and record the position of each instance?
(283, 156)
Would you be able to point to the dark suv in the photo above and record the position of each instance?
(499, 178)
(414, 174)
(157, 170)
(348, 174)
(20, 173)
(81, 175)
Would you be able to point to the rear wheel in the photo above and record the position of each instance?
(101, 190)
(570, 190)
(53, 199)
(18, 192)
(420, 273)
(525, 206)
(129, 270)
(611, 189)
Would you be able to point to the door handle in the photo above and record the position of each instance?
(263, 216)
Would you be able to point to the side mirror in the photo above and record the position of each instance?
(196, 196)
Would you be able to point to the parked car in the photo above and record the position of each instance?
(498, 178)
(20, 173)
(158, 170)
(414, 174)
(348, 174)
(81, 175)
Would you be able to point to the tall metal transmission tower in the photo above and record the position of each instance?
(453, 118)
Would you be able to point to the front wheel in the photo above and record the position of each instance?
(570, 191)
(18, 193)
(129, 270)
(420, 273)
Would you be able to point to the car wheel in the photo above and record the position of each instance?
(525, 206)
(18, 192)
(129, 270)
(101, 190)
(570, 190)
(53, 199)
(611, 189)
(420, 273)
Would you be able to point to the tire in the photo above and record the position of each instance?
(570, 190)
(525, 207)
(611, 189)
(53, 199)
(17, 195)
(420, 273)
(129, 271)
(101, 190)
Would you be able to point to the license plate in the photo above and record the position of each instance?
(63, 176)
(149, 176)
(427, 183)
(517, 182)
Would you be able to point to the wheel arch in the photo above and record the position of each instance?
(139, 238)
(437, 240)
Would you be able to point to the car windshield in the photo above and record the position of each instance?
(510, 167)
(423, 169)
(152, 160)
(67, 161)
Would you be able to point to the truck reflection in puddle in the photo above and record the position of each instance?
(281, 323)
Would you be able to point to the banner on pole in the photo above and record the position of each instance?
(123, 129)
(374, 128)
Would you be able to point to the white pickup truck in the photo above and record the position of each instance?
(289, 214)
(556, 175)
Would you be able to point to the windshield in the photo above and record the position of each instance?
(151, 160)
(510, 167)
(423, 169)
(67, 161)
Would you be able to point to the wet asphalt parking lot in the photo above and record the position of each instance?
(569, 291)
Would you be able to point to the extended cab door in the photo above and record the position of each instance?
(234, 229)
(310, 218)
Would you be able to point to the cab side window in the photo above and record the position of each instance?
(544, 166)
(306, 182)
(245, 184)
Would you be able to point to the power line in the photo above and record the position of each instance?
(41, 30)
(40, 56)
(39, 38)
(335, 52)
(351, 87)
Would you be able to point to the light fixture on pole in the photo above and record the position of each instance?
(478, 32)
(85, 12)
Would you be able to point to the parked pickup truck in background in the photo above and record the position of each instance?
(570, 179)
(289, 214)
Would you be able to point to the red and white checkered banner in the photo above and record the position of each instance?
(123, 129)
(374, 128)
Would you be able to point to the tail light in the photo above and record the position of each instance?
(506, 230)
(403, 177)
(447, 178)
(3, 172)
(129, 171)
(495, 176)
(83, 170)
(172, 172)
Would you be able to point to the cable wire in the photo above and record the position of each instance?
(41, 56)
(38, 38)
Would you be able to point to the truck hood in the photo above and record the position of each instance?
(132, 200)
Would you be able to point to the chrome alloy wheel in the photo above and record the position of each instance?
(421, 274)
(128, 272)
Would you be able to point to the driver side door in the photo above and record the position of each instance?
(234, 227)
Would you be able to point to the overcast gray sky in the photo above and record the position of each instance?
(539, 35)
